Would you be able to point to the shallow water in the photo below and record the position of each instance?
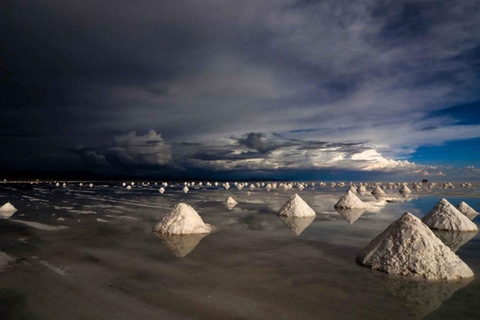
(108, 264)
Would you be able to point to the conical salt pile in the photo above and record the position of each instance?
(444, 216)
(349, 200)
(466, 209)
(7, 207)
(378, 191)
(404, 189)
(183, 219)
(296, 207)
(185, 189)
(352, 189)
(230, 201)
(362, 189)
(409, 248)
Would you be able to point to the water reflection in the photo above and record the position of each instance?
(297, 224)
(454, 240)
(7, 214)
(417, 296)
(230, 205)
(352, 214)
(181, 245)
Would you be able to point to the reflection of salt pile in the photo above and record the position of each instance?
(350, 214)
(378, 191)
(296, 207)
(5, 261)
(181, 245)
(183, 219)
(466, 210)
(417, 296)
(454, 239)
(409, 248)
(349, 200)
(297, 224)
(444, 216)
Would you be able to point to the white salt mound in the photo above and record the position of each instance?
(349, 200)
(296, 207)
(230, 201)
(7, 207)
(378, 191)
(362, 189)
(352, 189)
(444, 216)
(466, 209)
(183, 219)
(409, 248)
(404, 189)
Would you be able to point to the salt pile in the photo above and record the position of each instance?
(7, 207)
(378, 191)
(404, 190)
(183, 219)
(185, 189)
(161, 190)
(444, 216)
(362, 189)
(296, 207)
(230, 201)
(352, 189)
(466, 209)
(349, 200)
(409, 248)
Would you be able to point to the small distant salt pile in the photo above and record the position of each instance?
(129, 187)
(466, 209)
(185, 189)
(404, 190)
(226, 185)
(285, 187)
(300, 187)
(268, 187)
(409, 248)
(161, 190)
(7, 207)
(352, 189)
(183, 219)
(80, 184)
(296, 207)
(209, 184)
(362, 189)
(230, 200)
(378, 191)
(239, 186)
(216, 184)
(252, 187)
(90, 185)
(444, 216)
(349, 200)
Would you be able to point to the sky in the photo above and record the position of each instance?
(327, 90)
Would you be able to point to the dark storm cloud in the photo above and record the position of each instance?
(279, 77)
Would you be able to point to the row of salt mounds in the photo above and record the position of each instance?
(404, 190)
(466, 209)
(183, 219)
(409, 248)
(349, 201)
(296, 207)
(444, 216)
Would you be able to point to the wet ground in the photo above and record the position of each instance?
(90, 253)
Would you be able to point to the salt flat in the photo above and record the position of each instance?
(253, 265)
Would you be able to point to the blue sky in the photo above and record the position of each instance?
(226, 88)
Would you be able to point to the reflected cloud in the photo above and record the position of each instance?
(352, 214)
(181, 245)
(418, 297)
(297, 224)
(454, 240)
